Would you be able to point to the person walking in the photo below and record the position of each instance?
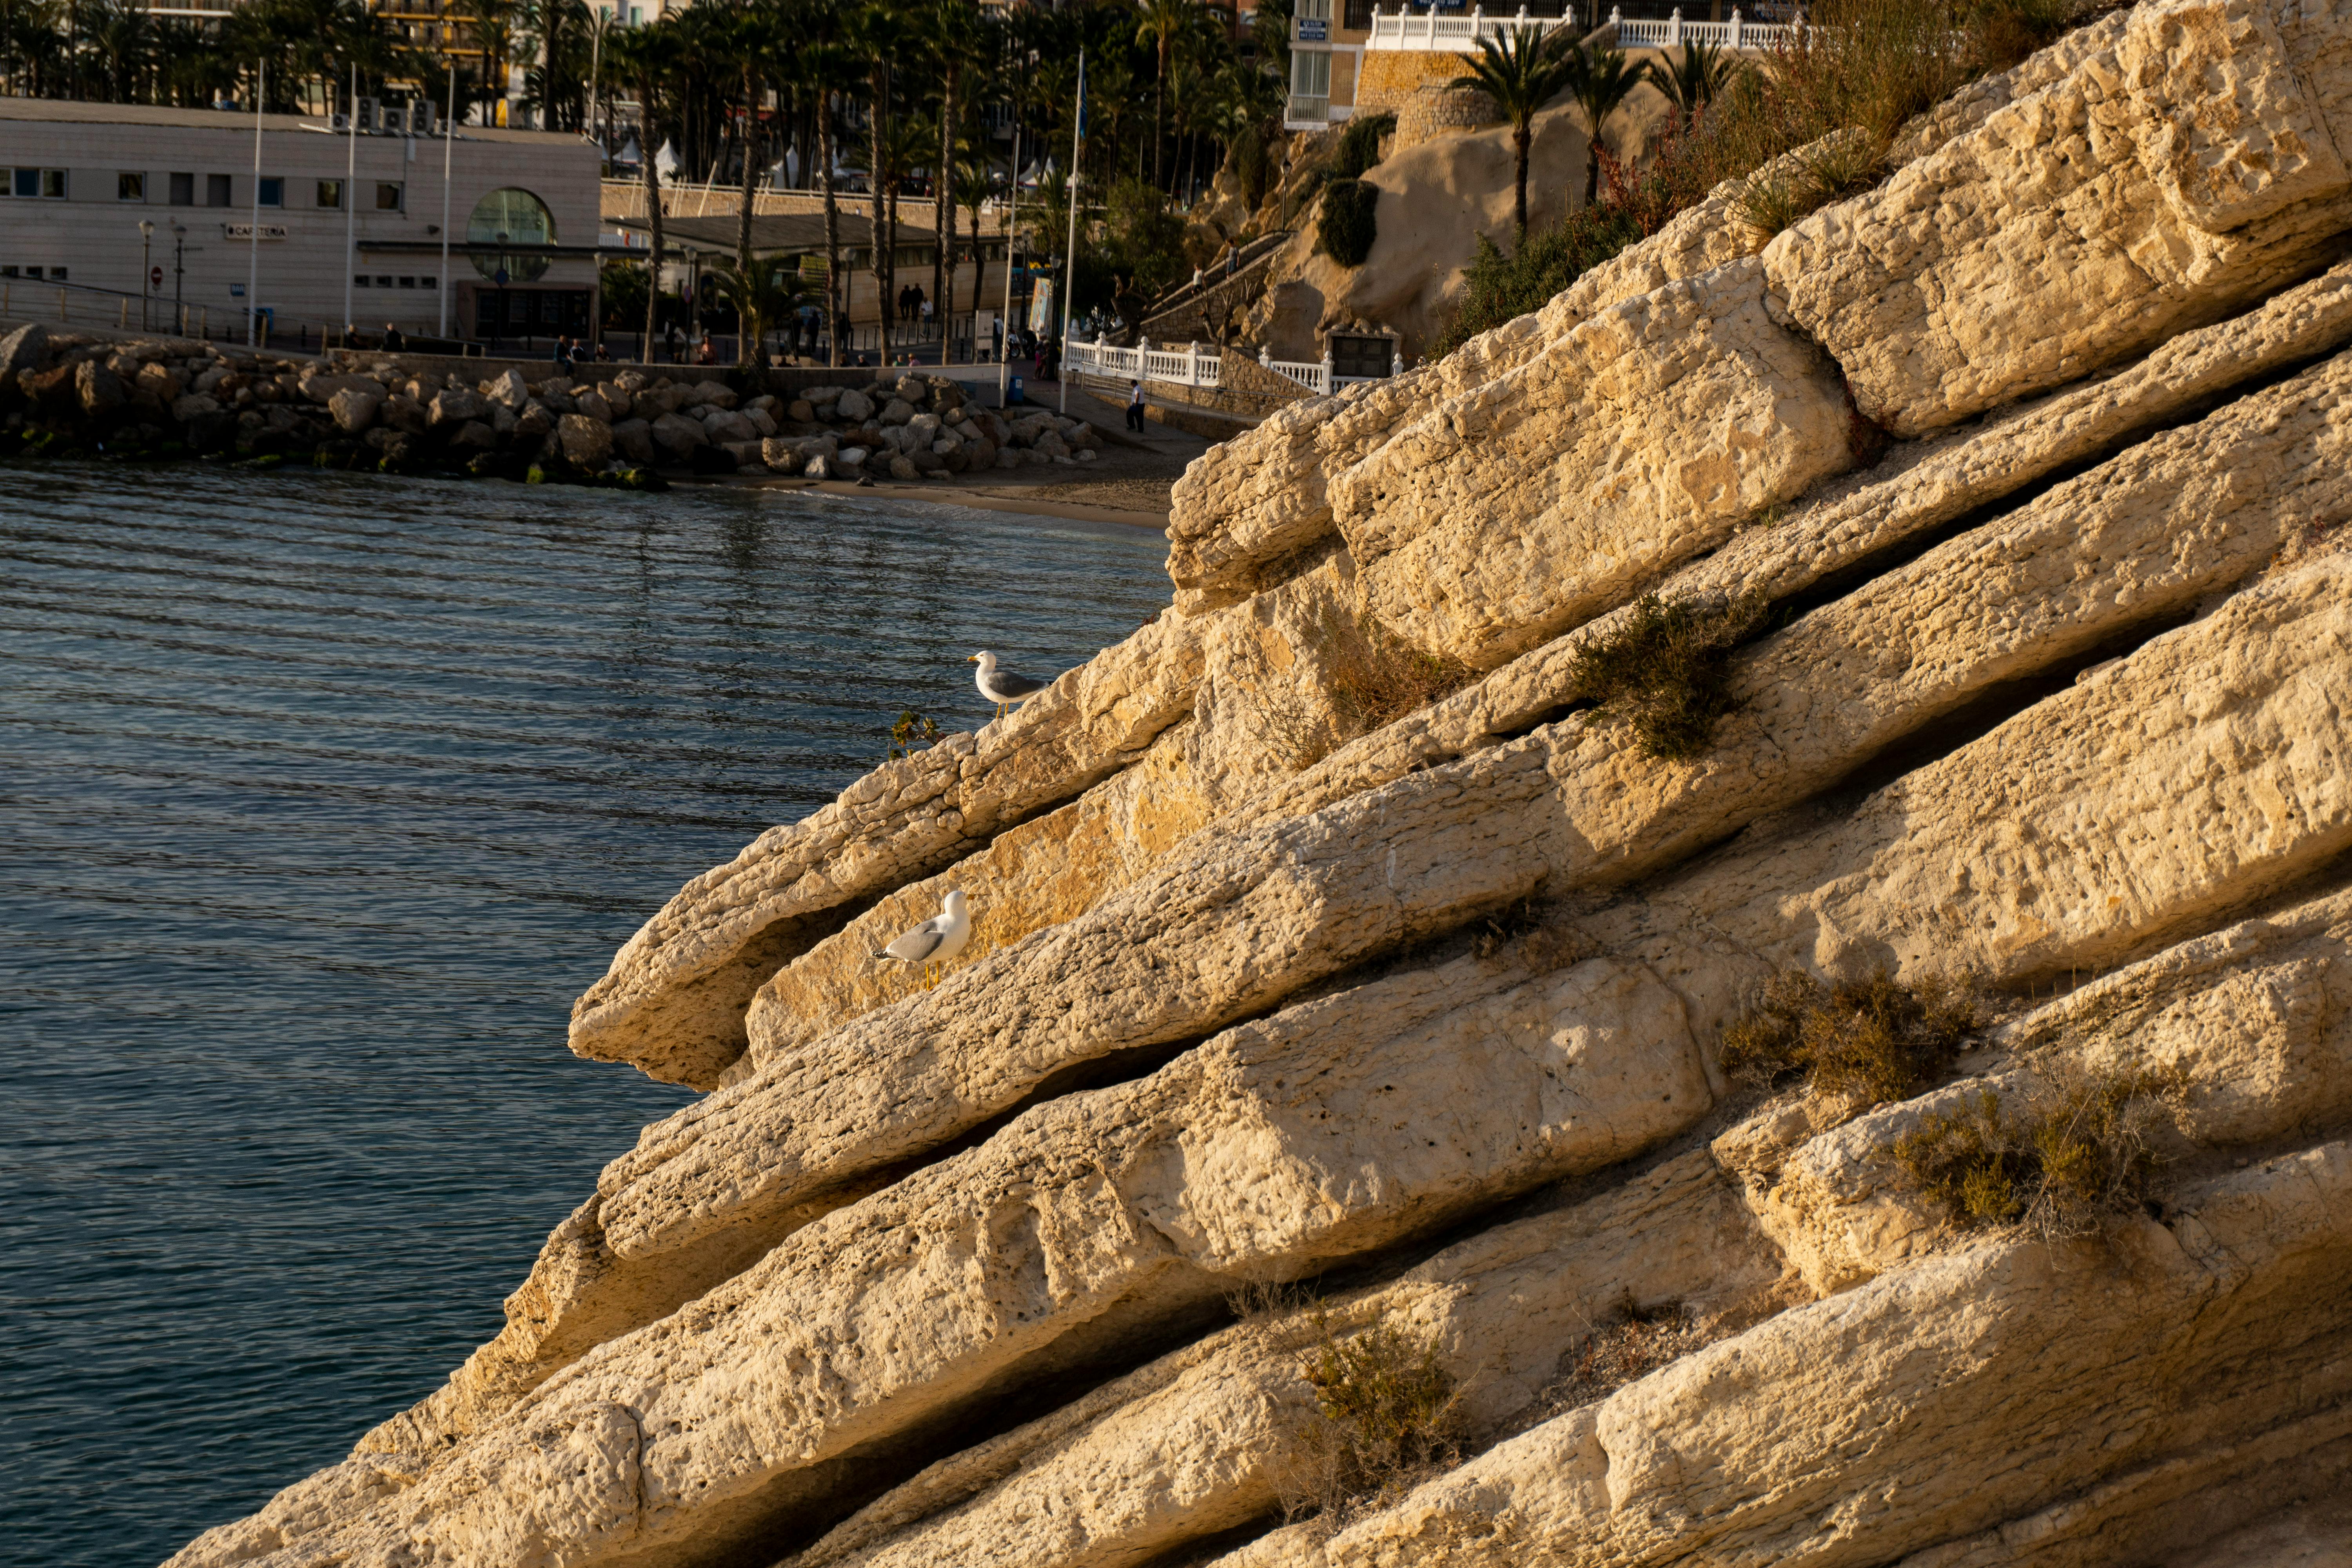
(393, 342)
(1135, 406)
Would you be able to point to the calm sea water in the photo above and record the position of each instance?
(321, 798)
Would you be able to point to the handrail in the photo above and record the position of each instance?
(1431, 32)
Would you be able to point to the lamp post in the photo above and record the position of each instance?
(146, 289)
(179, 256)
(497, 328)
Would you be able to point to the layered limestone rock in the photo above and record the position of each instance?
(2256, 1020)
(826, 1116)
(2192, 166)
(1211, 1438)
(1928, 1405)
(1641, 438)
(1415, 1016)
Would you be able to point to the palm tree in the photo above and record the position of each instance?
(874, 35)
(822, 68)
(955, 36)
(1521, 72)
(763, 295)
(650, 56)
(1692, 81)
(1601, 83)
(1163, 22)
(972, 189)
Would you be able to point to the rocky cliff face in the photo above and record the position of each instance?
(1344, 980)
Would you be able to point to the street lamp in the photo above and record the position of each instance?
(146, 289)
(179, 255)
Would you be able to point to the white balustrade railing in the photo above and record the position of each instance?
(1191, 368)
(1433, 33)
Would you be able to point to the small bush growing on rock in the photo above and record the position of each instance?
(2064, 1161)
(911, 734)
(1377, 678)
(1871, 1040)
(1664, 671)
(1360, 145)
(1345, 225)
(1386, 1415)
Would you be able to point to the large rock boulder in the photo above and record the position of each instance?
(354, 409)
(99, 390)
(452, 407)
(587, 441)
(676, 437)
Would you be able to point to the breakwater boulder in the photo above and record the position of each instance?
(1717, 930)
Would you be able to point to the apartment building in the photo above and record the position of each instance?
(215, 215)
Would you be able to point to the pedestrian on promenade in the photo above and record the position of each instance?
(1135, 406)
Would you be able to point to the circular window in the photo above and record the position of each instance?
(510, 216)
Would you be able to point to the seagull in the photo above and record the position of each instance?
(936, 940)
(1001, 687)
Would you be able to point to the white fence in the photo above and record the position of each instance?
(1433, 33)
(1195, 368)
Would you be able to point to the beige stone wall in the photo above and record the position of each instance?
(1436, 108)
(1389, 77)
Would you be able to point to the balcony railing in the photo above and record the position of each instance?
(1434, 32)
(1307, 107)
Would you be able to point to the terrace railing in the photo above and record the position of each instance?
(1437, 32)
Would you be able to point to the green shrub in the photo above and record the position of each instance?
(1664, 671)
(1386, 1415)
(2080, 1152)
(1869, 1040)
(1360, 145)
(1344, 228)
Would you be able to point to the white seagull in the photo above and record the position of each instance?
(936, 940)
(1001, 687)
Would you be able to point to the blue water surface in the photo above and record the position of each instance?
(321, 798)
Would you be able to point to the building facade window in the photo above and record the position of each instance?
(331, 193)
(387, 197)
(183, 189)
(273, 191)
(1310, 73)
(49, 182)
(129, 187)
(217, 191)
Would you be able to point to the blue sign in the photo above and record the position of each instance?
(1317, 31)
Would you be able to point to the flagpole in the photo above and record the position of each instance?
(448, 143)
(1070, 270)
(253, 264)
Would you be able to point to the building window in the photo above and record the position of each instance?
(383, 279)
(358, 279)
(216, 190)
(273, 193)
(39, 182)
(56, 274)
(428, 282)
(183, 189)
(637, 16)
(1358, 16)
(53, 185)
(408, 282)
(331, 193)
(129, 187)
(387, 197)
(1310, 73)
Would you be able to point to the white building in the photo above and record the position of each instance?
(341, 217)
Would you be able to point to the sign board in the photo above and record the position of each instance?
(1315, 31)
(1042, 318)
(155, 276)
(244, 231)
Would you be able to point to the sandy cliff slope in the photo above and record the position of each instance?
(1343, 976)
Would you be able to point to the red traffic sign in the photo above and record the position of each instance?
(155, 276)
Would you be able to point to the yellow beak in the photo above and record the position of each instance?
(973, 659)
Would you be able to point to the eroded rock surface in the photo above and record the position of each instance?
(1337, 965)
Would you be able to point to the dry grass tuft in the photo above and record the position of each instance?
(1378, 678)
(1386, 1418)
(1665, 671)
(1869, 1040)
(1628, 1346)
(2067, 1160)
